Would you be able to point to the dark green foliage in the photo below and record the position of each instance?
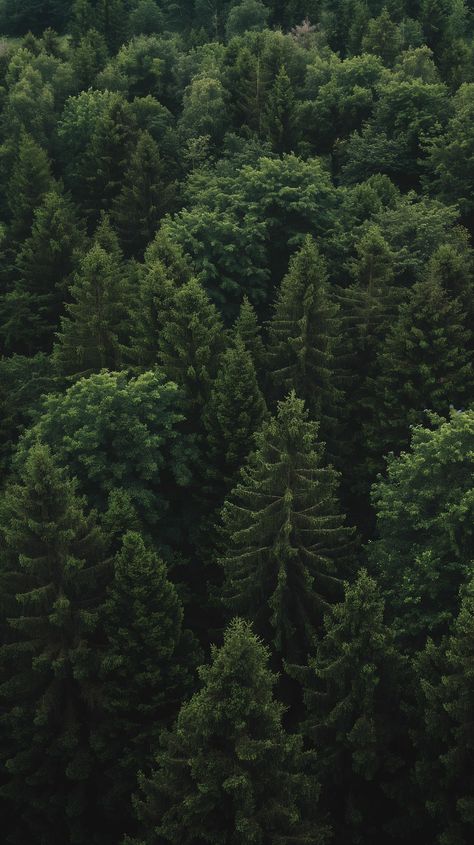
(53, 563)
(246, 328)
(286, 544)
(208, 208)
(30, 180)
(146, 195)
(228, 772)
(190, 343)
(43, 269)
(424, 364)
(93, 332)
(445, 769)
(352, 689)
(302, 336)
(147, 669)
(234, 413)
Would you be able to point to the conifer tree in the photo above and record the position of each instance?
(446, 745)
(234, 413)
(146, 195)
(286, 544)
(191, 342)
(112, 20)
(302, 336)
(228, 772)
(43, 267)
(424, 364)
(170, 255)
(30, 180)
(92, 333)
(247, 328)
(147, 670)
(53, 560)
(352, 691)
(279, 118)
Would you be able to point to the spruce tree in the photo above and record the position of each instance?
(234, 413)
(145, 197)
(228, 774)
(30, 180)
(279, 118)
(446, 745)
(53, 563)
(93, 331)
(302, 337)
(247, 328)
(43, 267)
(352, 691)
(425, 363)
(147, 670)
(285, 542)
(190, 343)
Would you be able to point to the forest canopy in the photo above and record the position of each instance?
(236, 422)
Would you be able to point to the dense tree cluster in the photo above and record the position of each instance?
(236, 422)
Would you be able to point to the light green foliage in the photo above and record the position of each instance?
(117, 433)
(424, 515)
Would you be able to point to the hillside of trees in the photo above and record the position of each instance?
(236, 422)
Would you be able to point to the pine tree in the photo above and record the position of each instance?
(446, 744)
(424, 364)
(285, 540)
(247, 328)
(191, 342)
(92, 334)
(302, 336)
(147, 670)
(30, 180)
(155, 294)
(53, 560)
(352, 691)
(43, 267)
(234, 413)
(228, 772)
(145, 197)
(279, 118)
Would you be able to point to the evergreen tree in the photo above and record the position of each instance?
(286, 544)
(53, 561)
(279, 118)
(112, 21)
(352, 691)
(145, 197)
(234, 413)
(146, 668)
(424, 364)
(190, 343)
(43, 266)
(30, 180)
(302, 336)
(228, 773)
(92, 334)
(247, 328)
(446, 765)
